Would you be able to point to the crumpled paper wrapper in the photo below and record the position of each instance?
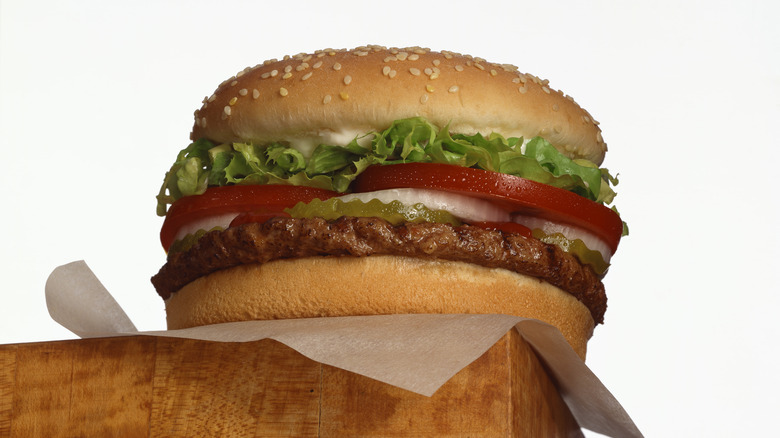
(418, 353)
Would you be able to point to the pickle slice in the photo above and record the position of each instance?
(395, 212)
(576, 247)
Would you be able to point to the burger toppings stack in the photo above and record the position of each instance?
(384, 181)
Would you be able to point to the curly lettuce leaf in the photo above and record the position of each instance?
(334, 167)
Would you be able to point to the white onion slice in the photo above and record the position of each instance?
(207, 223)
(466, 208)
(569, 231)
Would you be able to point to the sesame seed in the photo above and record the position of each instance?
(233, 83)
(337, 66)
(546, 90)
(307, 76)
(419, 51)
(203, 122)
(402, 56)
(479, 66)
(414, 71)
(459, 67)
(265, 75)
(243, 91)
(428, 71)
(386, 70)
(274, 73)
(392, 73)
(255, 94)
(516, 80)
(555, 107)
(212, 98)
(447, 55)
(317, 64)
(283, 91)
(390, 58)
(413, 57)
(522, 89)
(326, 99)
(227, 110)
(233, 101)
(343, 95)
(436, 62)
(347, 79)
(493, 72)
(302, 67)
(429, 88)
(287, 75)
(599, 138)
(288, 69)
(361, 53)
(453, 89)
(423, 98)
(434, 75)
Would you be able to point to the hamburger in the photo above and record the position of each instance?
(388, 181)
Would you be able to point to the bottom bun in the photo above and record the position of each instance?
(374, 285)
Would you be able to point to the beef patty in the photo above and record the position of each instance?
(285, 238)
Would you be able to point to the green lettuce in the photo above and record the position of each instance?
(203, 164)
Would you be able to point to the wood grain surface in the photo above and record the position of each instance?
(165, 387)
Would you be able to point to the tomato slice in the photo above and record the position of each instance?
(270, 199)
(518, 195)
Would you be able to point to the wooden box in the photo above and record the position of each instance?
(143, 386)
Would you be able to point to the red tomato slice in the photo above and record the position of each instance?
(269, 198)
(519, 195)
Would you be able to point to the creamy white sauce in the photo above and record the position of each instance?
(306, 144)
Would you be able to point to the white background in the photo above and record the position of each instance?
(96, 99)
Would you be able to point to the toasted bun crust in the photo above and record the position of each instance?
(311, 98)
(374, 285)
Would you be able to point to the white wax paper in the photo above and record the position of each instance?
(418, 353)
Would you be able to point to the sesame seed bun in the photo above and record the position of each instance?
(366, 286)
(307, 98)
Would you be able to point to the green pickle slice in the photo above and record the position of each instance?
(394, 212)
(576, 247)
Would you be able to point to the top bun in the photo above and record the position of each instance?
(330, 95)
